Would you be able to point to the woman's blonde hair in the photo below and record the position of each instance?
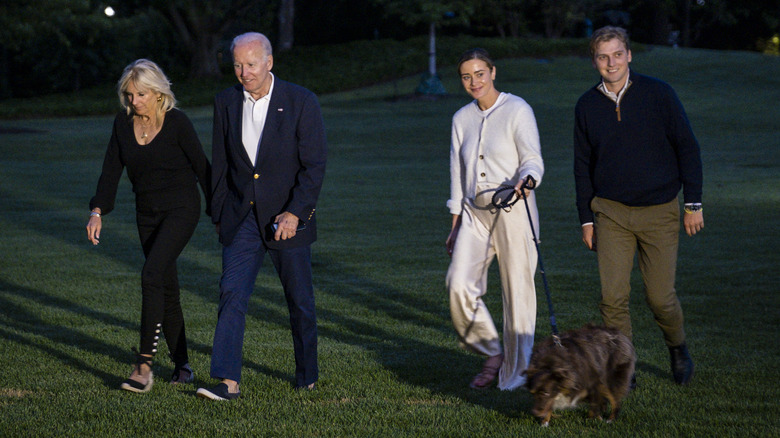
(147, 76)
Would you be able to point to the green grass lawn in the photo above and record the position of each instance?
(389, 360)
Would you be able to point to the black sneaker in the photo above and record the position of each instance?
(219, 392)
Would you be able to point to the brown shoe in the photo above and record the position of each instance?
(489, 372)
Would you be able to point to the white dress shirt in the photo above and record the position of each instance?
(253, 121)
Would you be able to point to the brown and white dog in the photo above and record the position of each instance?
(592, 364)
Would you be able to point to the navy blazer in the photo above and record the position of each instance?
(289, 170)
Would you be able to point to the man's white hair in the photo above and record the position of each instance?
(251, 37)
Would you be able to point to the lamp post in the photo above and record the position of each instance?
(430, 84)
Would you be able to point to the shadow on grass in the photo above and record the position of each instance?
(15, 130)
(412, 361)
(21, 320)
(31, 326)
(648, 368)
(440, 369)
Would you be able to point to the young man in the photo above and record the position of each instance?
(267, 169)
(633, 151)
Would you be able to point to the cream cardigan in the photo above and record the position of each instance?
(497, 146)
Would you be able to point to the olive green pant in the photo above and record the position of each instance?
(652, 233)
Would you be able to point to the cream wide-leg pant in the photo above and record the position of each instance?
(484, 234)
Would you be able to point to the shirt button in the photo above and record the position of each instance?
(482, 174)
(481, 157)
(257, 175)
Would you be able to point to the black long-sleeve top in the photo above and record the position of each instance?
(160, 171)
(639, 153)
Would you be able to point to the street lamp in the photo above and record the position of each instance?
(430, 83)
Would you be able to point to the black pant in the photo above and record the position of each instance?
(164, 232)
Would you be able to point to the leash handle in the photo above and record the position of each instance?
(529, 183)
(506, 203)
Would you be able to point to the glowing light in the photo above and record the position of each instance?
(109, 11)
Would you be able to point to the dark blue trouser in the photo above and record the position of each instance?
(241, 262)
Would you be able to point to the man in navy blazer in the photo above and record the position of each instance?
(268, 163)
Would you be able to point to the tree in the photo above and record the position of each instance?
(434, 14)
(202, 24)
(714, 24)
(722, 24)
(505, 17)
(22, 20)
(561, 17)
(61, 45)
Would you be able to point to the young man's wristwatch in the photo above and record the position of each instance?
(693, 208)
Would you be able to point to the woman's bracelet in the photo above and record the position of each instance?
(94, 213)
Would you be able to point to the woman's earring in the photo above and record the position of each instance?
(159, 99)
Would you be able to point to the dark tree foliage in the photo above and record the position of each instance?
(712, 24)
(65, 45)
(200, 27)
(734, 25)
(341, 21)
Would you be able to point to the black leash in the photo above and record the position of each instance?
(506, 203)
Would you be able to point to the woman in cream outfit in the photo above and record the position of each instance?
(495, 141)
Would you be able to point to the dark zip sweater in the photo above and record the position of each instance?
(639, 152)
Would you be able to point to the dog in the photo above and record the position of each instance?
(592, 364)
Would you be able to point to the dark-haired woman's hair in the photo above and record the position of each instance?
(476, 53)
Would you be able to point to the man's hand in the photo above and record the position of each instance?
(693, 222)
(286, 226)
(589, 237)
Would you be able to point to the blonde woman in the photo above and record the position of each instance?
(165, 162)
